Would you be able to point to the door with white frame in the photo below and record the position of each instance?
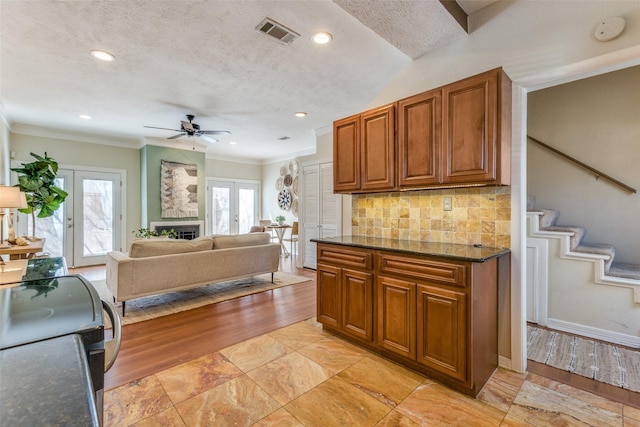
(232, 206)
(88, 223)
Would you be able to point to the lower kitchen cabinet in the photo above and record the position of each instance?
(435, 315)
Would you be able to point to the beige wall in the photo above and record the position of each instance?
(596, 121)
(216, 168)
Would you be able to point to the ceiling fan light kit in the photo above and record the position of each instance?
(188, 128)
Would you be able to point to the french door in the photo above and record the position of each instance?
(232, 206)
(88, 224)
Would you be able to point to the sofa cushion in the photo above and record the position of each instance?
(240, 240)
(143, 248)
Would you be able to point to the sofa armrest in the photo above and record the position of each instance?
(119, 272)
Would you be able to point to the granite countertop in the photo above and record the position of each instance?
(46, 383)
(415, 247)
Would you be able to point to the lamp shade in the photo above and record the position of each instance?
(12, 197)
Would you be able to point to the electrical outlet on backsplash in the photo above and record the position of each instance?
(479, 215)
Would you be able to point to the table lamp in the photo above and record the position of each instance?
(23, 204)
(10, 197)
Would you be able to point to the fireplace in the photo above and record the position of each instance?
(188, 230)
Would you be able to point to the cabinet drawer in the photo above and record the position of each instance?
(345, 257)
(446, 273)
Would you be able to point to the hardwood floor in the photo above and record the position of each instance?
(154, 345)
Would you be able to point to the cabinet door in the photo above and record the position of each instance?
(420, 140)
(328, 283)
(346, 154)
(378, 149)
(470, 129)
(442, 330)
(357, 304)
(396, 321)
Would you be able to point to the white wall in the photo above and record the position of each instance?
(594, 120)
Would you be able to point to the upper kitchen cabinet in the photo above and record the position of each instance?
(378, 149)
(477, 130)
(346, 154)
(364, 151)
(420, 140)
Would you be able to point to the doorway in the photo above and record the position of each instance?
(88, 223)
(232, 206)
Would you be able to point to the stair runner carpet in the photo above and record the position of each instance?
(599, 361)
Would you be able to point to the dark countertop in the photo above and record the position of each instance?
(415, 247)
(46, 383)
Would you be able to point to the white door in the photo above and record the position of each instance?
(232, 206)
(88, 223)
(321, 210)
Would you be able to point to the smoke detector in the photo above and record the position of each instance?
(278, 31)
(610, 28)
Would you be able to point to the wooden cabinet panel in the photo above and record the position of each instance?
(357, 304)
(442, 331)
(448, 273)
(419, 140)
(346, 154)
(328, 283)
(345, 257)
(378, 149)
(476, 131)
(396, 320)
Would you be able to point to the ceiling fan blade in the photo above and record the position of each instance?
(187, 125)
(153, 127)
(209, 139)
(215, 132)
(176, 136)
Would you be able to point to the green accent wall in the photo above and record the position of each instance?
(150, 160)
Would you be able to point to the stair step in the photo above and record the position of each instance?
(600, 249)
(578, 233)
(627, 271)
(549, 217)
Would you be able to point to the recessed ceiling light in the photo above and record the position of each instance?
(85, 116)
(300, 114)
(321, 37)
(102, 55)
(232, 142)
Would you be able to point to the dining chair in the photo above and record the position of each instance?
(293, 238)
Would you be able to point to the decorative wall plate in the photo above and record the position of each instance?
(288, 180)
(283, 170)
(279, 183)
(295, 185)
(293, 167)
(284, 200)
(294, 208)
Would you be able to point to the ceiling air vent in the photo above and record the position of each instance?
(278, 31)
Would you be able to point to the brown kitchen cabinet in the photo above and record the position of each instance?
(454, 135)
(345, 291)
(436, 315)
(420, 140)
(477, 129)
(364, 151)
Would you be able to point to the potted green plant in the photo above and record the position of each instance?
(37, 180)
(145, 233)
(280, 219)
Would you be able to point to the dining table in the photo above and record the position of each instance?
(280, 230)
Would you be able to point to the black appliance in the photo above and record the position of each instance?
(34, 311)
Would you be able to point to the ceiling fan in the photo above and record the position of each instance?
(188, 128)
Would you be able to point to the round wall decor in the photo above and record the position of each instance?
(284, 200)
(288, 180)
(293, 167)
(294, 208)
(296, 184)
(283, 170)
(279, 183)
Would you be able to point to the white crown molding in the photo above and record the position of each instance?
(325, 130)
(307, 152)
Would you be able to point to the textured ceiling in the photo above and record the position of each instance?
(206, 58)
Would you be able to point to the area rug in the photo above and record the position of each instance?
(607, 363)
(150, 307)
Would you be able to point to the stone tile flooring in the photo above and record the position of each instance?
(302, 376)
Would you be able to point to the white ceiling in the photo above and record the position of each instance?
(206, 58)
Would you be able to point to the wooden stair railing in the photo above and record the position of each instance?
(597, 173)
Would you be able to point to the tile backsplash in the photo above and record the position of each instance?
(478, 215)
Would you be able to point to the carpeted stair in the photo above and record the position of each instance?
(548, 222)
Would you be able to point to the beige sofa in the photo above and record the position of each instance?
(155, 266)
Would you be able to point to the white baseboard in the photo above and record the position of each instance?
(595, 333)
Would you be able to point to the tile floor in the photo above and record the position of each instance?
(302, 376)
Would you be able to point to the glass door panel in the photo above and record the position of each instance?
(232, 206)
